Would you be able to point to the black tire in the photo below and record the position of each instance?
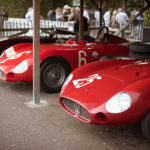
(140, 47)
(53, 73)
(145, 125)
(139, 55)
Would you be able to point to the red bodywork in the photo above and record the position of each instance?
(115, 76)
(74, 53)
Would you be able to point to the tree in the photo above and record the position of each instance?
(18, 8)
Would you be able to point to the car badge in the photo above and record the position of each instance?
(77, 109)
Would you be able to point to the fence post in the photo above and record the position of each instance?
(1, 26)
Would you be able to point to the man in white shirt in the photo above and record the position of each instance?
(121, 18)
(86, 14)
(107, 17)
(97, 15)
(29, 16)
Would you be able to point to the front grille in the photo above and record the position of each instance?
(2, 74)
(76, 109)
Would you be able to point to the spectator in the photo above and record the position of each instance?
(134, 23)
(91, 14)
(107, 17)
(97, 15)
(113, 19)
(51, 14)
(73, 15)
(3, 14)
(121, 18)
(66, 12)
(59, 15)
(86, 13)
(138, 24)
(29, 15)
(85, 22)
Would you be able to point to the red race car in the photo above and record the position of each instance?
(57, 60)
(111, 92)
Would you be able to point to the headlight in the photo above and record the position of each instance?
(68, 80)
(119, 103)
(22, 67)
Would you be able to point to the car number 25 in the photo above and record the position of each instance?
(82, 58)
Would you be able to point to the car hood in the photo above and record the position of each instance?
(15, 54)
(94, 84)
(25, 51)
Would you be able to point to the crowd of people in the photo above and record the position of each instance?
(68, 13)
(116, 18)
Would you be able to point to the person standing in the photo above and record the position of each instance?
(121, 18)
(72, 16)
(51, 14)
(97, 15)
(86, 13)
(66, 12)
(4, 14)
(59, 15)
(29, 15)
(113, 19)
(107, 17)
(139, 23)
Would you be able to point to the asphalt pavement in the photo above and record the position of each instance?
(51, 128)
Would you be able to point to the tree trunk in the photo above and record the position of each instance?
(124, 4)
(1, 27)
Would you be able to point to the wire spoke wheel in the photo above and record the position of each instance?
(54, 75)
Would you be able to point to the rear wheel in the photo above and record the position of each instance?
(145, 125)
(53, 73)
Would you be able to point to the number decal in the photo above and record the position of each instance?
(82, 82)
(82, 58)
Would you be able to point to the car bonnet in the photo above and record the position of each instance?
(94, 84)
(16, 54)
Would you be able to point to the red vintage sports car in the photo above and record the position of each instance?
(111, 92)
(57, 60)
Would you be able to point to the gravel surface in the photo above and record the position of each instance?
(51, 128)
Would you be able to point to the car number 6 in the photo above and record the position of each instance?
(82, 60)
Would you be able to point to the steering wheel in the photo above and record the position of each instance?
(103, 34)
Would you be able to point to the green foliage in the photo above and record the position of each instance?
(16, 8)
(61, 3)
(117, 3)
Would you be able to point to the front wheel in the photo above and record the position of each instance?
(53, 73)
(145, 125)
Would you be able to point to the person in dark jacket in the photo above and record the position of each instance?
(51, 15)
